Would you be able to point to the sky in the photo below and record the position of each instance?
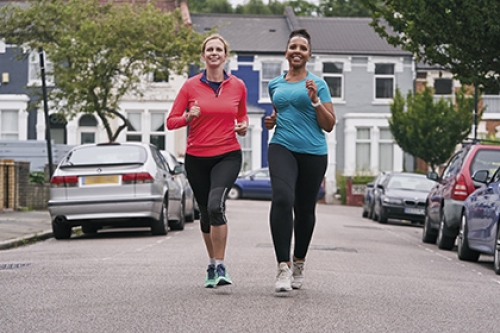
(235, 3)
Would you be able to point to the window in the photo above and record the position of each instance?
(58, 128)
(269, 71)
(363, 149)
(384, 81)
(34, 72)
(88, 129)
(9, 124)
(159, 76)
(443, 87)
(157, 127)
(246, 149)
(135, 128)
(386, 150)
(333, 75)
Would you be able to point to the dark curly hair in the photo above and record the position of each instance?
(300, 33)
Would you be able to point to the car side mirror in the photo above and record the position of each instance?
(480, 176)
(432, 175)
(178, 170)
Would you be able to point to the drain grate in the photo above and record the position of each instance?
(12, 266)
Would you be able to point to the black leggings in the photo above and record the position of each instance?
(295, 180)
(211, 179)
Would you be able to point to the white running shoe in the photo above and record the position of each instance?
(283, 278)
(298, 273)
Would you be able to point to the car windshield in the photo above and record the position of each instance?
(410, 183)
(102, 155)
(486, 159)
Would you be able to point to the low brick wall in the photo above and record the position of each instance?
(36, 196)
(354, 193)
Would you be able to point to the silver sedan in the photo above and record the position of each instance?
(115, 185)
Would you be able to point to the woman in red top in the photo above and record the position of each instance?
(213, 105)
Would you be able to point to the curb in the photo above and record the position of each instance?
(28, 239)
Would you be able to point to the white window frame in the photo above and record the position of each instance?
(139, 132)
(158, 133)
(363, 141)
(385, 142)
(374, 122)
(34, 74)
(257, 66)
(384, 76)
(14, 128)
(334, 75)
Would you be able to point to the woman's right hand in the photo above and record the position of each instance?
(270, 121)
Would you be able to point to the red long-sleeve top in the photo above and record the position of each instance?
(212, 133)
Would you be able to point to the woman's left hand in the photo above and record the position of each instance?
(241, 128)
(312, 90)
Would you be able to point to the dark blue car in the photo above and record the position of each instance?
(479, 232)
(256, 184)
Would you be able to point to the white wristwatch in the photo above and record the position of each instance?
(318, 103)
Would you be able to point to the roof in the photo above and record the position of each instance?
(269, 33)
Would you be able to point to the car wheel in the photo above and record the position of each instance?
(190, 217)
(496, 256)
(429, 235)
(463, 250)
(234, 193)
(382, 216)
(444, 242)
(89, 229)
(365, 212)
(179, 224)
(160, 226)
(61, 230)
(370, 212)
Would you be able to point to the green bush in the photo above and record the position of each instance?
(342, 184)
(37, 177)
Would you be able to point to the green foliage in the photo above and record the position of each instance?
(463, 36)
(100, 52)
(430, 130)
(37, 177)
(344, 8)
(342, 184)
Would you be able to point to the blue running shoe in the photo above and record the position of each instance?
(211, 280)
(222, 276)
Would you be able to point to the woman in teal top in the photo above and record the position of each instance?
(297, 157)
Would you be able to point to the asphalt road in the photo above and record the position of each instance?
(361, 276)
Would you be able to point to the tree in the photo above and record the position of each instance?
(463, 36)
(429, 130)
(343, 8)
(210, 6)
(100, 53)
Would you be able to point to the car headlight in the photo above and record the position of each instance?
(394, 201)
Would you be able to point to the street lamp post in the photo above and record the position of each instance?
(46, 111)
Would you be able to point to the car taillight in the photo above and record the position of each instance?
(137, 178)
(64, 181)
(459, 191)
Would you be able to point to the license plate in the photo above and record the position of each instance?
(415, 211)
(100, 180)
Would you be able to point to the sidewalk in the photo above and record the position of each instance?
(19, 227)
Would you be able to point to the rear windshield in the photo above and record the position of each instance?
(486, 159)
(102, 155)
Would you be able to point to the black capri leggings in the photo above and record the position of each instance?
(211, 179)
(295, 180)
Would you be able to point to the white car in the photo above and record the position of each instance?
(115, 185)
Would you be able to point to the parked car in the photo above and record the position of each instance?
(402, 196)
(444, 203)
(188, 200)
(115, 185)
(256, 184)
(479, 231)
(369, 194)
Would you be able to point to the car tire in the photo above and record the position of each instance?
(192, 216)
(234, 193)
(61, 230)
(364, 213)
(370, 212)
(444, 242)
(178, 224)
(89, 229)
(160, 227)
(382, 216)
(496, 255)
(463, 250)
(428, 234)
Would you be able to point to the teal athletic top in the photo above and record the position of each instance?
(297, 127)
